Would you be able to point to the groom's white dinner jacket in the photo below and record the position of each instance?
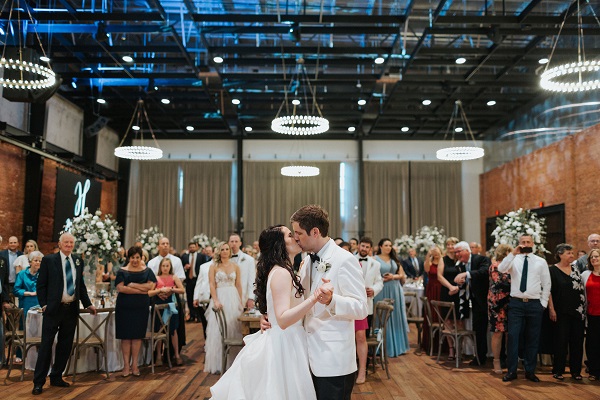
(371, 273)
(330, 329)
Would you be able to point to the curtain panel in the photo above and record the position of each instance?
(271, 198)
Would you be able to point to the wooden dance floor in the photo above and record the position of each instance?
(413, 377)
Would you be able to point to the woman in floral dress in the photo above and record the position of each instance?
(567, 310)
(498, 297)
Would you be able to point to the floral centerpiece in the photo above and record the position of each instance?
(516, 223)
(95, 238)
(149, 238)
(428, 236)
(403, 244)
(203, 240)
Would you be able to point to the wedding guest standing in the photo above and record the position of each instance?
(529, 292)
(433, 288)
(446, 273)
(373, 284)
(591, 282)
(10, 255)
(191, 264)
(133, 282)
(498, 297)
(247, 266)
(60, 288)
(167, 287)
(393, 279)
(567, 310)
(25, 288)
(22, 261)
(226, 293)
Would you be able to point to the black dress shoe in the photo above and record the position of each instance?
(37, 389)
(532, 377)
(59, 383)
(511, 376)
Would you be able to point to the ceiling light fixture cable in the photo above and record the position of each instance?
(459, 153)
(141, 152)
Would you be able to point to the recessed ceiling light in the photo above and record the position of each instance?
(362, 102)
(127, 58)
(296, 102)
(491, 103)
(165, 101)
(235, 101)
(405, 129)
(543, 60)
(135, 128)
(218, 60)
(189, 128)
(101, 101)
(458, 129)
(1, 31)
(460, 60)
(248, 129)
(351, 129)
(426, 102)
(44, 58)
(379, 60)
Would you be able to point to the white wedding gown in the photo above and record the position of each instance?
(273, 365)
(232, 308)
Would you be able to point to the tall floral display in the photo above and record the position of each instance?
(403, 244)
(150, 238)
(516, 223)
(422, 241)
(96, 238)
(203, 240)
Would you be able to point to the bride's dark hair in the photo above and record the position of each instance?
(272, 252)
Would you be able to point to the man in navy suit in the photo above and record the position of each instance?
(60, 288)
(191, 264)
(4, 299)
(413, 265)
(10, 256)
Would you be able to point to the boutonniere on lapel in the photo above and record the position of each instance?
(323, 267)
(77, 262)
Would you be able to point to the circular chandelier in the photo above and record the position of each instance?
(48, 76)
(296, 123)
(299, 171)
(139, 152)
(464, 153)
(300, 125)
(576, 69)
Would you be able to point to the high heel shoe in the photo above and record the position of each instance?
(497, 367)
(451, 356)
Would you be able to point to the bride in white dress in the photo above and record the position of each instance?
(273, 365)
(226, 293)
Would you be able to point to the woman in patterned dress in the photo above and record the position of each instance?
(498, 297)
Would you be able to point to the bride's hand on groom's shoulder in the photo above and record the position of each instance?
(264, 323)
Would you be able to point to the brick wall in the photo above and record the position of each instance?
(12, 197)
(12, 191)
(563, 172)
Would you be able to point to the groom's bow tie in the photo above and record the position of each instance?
(362, 259)
(314, 258)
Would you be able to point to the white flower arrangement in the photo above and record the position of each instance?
(516, 223)
(203, 240)
(150, 238)
(427, 237)
(403, 244)
(95, 236)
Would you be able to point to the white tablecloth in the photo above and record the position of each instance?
(87, 358)
(416, 287)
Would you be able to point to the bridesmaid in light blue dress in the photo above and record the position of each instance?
(393, 277)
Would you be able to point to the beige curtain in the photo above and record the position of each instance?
(386, 199)
(436, 198)
(201, 204)
(270, 198)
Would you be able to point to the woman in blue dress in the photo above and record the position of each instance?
(393, 279)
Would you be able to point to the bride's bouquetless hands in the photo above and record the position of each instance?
(324, 293)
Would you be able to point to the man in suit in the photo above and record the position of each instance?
(247, 266)
(593, 244)
(60, 288)
(10, 256)
(202, 292)
(191, 264)
(413, 265)
(373, 285)
(330, 324)
(475, 280)
(4, 299)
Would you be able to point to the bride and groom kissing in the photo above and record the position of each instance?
(306, 349)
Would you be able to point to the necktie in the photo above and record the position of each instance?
(362, 259)
(416, 264)
(192, 266)
(69, 277)
(314, 258)
(523, 287)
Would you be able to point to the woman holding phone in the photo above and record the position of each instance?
(393, 279)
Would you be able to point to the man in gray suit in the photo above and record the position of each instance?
(593, 243)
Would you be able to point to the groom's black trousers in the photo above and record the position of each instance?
(334, 387)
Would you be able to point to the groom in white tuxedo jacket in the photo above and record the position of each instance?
(330, 324)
